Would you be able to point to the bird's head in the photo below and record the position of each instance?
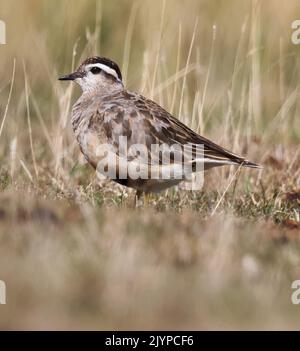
(96, 72)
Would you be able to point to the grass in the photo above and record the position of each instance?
(74, 253)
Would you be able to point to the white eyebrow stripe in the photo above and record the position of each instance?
(105, 68)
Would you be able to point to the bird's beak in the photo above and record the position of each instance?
(71, 76)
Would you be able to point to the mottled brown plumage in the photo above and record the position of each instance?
(107, 111)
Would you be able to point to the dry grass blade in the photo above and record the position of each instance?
(9, 97)
(158, 49)
(186, 68)
(227, 187)
(128, 39)
(29, 122)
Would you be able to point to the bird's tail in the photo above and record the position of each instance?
(246, 163)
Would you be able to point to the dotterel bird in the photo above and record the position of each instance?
(108, 114)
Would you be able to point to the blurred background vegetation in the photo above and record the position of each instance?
(227, 67)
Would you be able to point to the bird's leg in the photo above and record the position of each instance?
(147, 198)
(137, 198)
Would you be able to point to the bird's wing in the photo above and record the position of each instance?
(140, 121)
(165, 128)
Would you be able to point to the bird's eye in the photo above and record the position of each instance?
(95, 70)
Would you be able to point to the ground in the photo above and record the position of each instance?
(88, 261)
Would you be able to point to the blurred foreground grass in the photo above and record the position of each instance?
(79, 267)
(73, 252)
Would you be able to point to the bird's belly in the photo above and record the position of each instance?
(91, 146)
(103, 157)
